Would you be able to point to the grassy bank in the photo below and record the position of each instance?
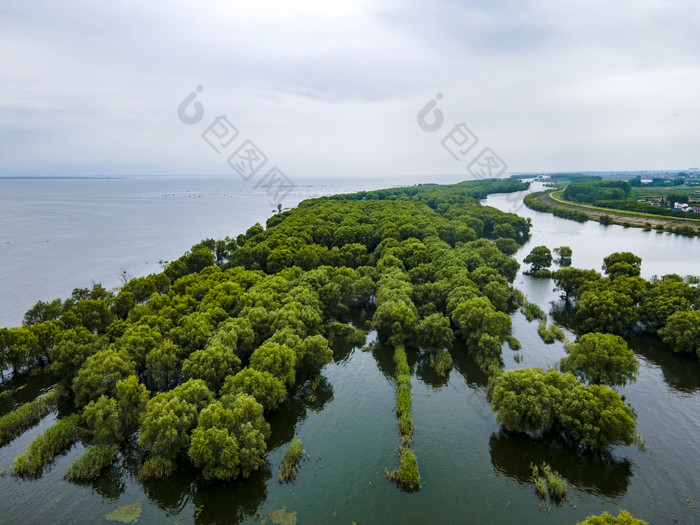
(407, 475)
(56, 440)
(26, 416)
(551, 201)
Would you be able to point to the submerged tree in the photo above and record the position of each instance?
(230, 438)
(540, 258)
(601, 359)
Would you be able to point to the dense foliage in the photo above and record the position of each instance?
(533, 401)
(193, 358)
(592, 191)
(624, 302)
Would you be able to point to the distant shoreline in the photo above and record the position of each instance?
(33, 177)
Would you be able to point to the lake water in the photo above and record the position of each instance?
(60, 234)
(471, 471)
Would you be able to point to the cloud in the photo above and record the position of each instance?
(333, 88)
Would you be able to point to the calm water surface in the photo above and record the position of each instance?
(471, 471)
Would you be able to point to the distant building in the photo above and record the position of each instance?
(694, 209)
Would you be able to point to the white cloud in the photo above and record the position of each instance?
(333, 88)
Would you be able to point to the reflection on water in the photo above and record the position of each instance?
(428, 375)
(600, 474)
(464, 363)
(681, 372)
(313, 394)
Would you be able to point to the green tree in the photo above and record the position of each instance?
(606, 311)
(507, 245)
(539, 258)
(100, 374)
(435, 333)
(396, 321)
(103, 418)
(45, 333)
(92, 314)
(682, 332)
(212, 365)
(170, 417)
(192, 332)
(483, 328)
(137, 341)
(622, 263)
(597, 416)
(162, 365)
(71, 348)
(237, 333)
(572, 280)
(601, 359)
(132, 398)
(525, 401)
(316, 352)
(663, 300)
(229, 440)
(42, 312)
(267, 390)
(22, 345)
(278, 360)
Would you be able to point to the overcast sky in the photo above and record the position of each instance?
(333, 88)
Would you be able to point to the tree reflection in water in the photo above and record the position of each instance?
(596, 473)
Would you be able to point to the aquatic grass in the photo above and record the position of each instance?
(55, 440)
(407, 475)
(26, 416)
(513, 342)
(441, 362)
(290, 462)
(548, 480)
(551, 334)
(533, 311)
(156, 467)
(546, 335)
(92, 463)
(558, 332)
(403, 401)
(541, 487)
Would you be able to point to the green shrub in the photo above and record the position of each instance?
(441, 362)
(407, 475)
(541, 487)
(532, 312)
(513, 342)
(55, 440)
(290, 462)
(156, 468)
(26, 416)
(558, 333)
(92, 463)
(547, 336)
(623, 518)
(549, 479)
(403, 402)
(406, 425)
